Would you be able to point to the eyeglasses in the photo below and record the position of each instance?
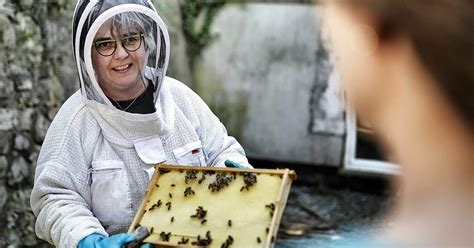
(130, 43)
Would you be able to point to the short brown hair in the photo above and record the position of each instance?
(441, 32)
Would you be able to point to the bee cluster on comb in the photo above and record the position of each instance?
(214, 207)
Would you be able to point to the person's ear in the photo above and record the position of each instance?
(363, 39)
(351, 32)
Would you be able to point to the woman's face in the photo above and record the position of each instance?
(120, 75)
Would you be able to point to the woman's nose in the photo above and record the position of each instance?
(120, 51)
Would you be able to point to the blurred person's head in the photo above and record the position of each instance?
(372, 39)
(407, 69)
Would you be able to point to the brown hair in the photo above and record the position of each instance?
(442, 33)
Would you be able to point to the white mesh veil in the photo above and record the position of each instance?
(89, 16)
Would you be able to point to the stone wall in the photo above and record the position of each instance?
(36, 73)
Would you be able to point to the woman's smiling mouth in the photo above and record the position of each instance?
(122, 68)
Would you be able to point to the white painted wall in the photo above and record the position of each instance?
(268, 58)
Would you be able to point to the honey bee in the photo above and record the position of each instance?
(165, 236)
(190, 175)
(200, 213)
(249, 179)
(202, 178)
(271, 206)
(222, 181)
(183, 241)
(227, 242)
(203, 241)
(156, 205)
(188, 191)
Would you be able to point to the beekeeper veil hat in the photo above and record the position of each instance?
(89, 16)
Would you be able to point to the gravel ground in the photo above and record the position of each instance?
(325, 208)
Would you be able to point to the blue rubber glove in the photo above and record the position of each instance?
(230, 163)
(96, 240)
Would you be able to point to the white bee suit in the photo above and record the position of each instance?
(96, 161)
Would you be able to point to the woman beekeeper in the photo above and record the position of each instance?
(99, 152)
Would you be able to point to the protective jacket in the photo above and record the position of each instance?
(96, 160)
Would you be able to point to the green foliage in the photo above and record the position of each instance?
(197, 38)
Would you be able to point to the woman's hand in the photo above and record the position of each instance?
(100, 241)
